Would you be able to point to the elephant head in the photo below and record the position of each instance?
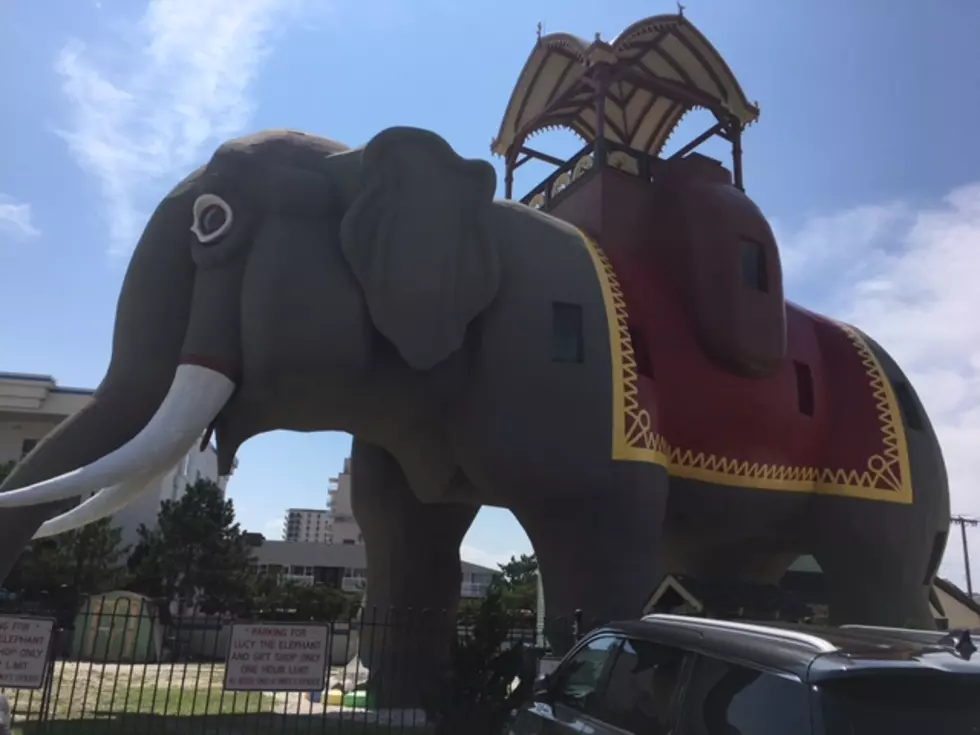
(265, 291)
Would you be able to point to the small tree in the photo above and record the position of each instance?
(477, 693)
(88, 560)
(196, 553)
(520, 571)
(519, 579)
(291, 601)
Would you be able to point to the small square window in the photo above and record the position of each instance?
(567, 339)
(804, 388)
(641, 354)
(753, 263)
(907, 405)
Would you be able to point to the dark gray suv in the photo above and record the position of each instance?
(675, 675)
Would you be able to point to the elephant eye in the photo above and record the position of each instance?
(212, 218)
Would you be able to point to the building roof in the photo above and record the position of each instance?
(48, 380)
(307, 510)
(662, 68)
(957, 594)
(312, 554)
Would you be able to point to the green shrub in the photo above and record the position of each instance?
(477, 692)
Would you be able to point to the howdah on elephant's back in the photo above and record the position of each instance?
(719, 378)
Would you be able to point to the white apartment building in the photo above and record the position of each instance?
(307, 525)
(31, 406)
(334, 524)
(345, 528)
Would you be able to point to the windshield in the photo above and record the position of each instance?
(901, 705)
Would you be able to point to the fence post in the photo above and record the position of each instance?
(577, 625)
(48, 679)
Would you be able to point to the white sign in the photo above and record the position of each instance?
(24, 647)
(277, 657)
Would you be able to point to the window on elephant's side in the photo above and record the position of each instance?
(938, 547)
(567, 343)
(804, 388)
(907, 404)
(644, 366)
(753, 264)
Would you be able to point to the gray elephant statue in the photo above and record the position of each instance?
(635, 411)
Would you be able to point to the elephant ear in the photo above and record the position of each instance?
(419, 239)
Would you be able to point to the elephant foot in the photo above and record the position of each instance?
(404, 656)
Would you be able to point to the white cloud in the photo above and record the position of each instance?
(148, 110)
(16, 218)
(910, 277)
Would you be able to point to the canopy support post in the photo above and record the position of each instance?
(736, 137)
(601, 88)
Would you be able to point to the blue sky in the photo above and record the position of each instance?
(865, 158)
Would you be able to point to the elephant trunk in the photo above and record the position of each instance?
(151, 321)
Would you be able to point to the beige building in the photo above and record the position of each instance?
(33, 405)
(955, 606)
(345, 528)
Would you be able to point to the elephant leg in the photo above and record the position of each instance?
(869, 586)
(600, 551)
(413, 566)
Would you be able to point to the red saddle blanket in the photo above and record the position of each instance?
(844, 437)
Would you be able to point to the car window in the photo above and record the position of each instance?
(906, 704)
(579, 677)
(641, 690)
(725, 699)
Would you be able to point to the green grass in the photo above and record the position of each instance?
(214, 725)
(83, 691)
(92, 699)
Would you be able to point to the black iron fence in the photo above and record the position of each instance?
(124, 665)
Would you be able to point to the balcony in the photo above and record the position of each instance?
(353, 584)
(304, 579)
(590, 159)
(471, 590)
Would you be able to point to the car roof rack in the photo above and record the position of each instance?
(812, 642)
(959, 640)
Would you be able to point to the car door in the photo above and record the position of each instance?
(573, 693)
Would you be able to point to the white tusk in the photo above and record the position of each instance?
(103, 503)
(195, 397)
